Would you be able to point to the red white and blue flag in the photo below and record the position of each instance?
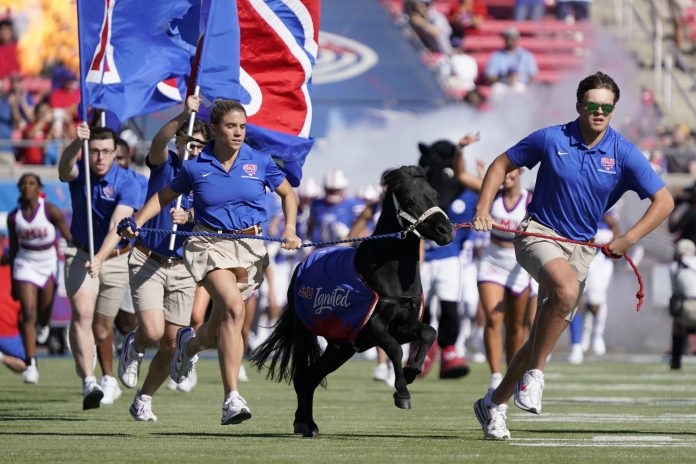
(128, 50)
(262, 53)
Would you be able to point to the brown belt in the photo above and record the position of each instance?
(113, 254)
(163, 260)
(252, 230)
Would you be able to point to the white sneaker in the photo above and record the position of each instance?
(242, 377)
(492, 419)
(111, 390)
(141, 408)
(576, 356)
(598, 346)
(129, 363)
(478, 357)
(380, 372)
(189, 382)
(172, 385)
(42, 333)
(181, 364)
(496, 378)
(528, 391)
(31, 373)
(391, 377)
(234, 410)
(91, 393)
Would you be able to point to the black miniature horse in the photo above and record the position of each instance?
(390, 268)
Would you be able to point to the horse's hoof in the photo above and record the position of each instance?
(402, 403)
(305, 430)
(410, 373)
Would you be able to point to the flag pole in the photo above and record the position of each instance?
(189, 132)
(85, 143)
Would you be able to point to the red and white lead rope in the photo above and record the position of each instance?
(604, 247)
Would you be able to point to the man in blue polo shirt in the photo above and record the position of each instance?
(584, 168)
(99, 284)
(162, 287)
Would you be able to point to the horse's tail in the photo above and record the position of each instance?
(290, 347)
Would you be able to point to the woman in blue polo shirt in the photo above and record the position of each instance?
(228, 180)
(584, 168)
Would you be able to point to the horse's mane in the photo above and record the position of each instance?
(396, 177)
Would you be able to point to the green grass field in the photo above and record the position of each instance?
(596, 412)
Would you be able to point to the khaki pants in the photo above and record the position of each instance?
(534, 252)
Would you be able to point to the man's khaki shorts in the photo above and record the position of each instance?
(109, 286)
(247, 257)
(534, 252)
(160, 287)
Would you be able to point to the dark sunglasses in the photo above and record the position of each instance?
(592, 107)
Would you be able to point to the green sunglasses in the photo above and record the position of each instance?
(592, 107)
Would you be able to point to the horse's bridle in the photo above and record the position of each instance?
(401, 214)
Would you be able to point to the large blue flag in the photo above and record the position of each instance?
(262, 54)
(127, 49)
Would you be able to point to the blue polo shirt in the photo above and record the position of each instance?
(160, 177)
(576, 185)
(229, 200)
(461, 210)
(142, 182)
(116, 187)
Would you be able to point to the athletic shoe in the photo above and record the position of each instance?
(111, 390)
(528, 391)
(478, 357)
(242, 377)
(391, 377)
(188, 383)
(492, 419)
(141, 408)
(452, 365)
(31, 374)
(91, 393)
(598, 346)
(429, 360)
(234, 410)
(576, 356)
(380, 372)
(42, 333)
(181, 363)
(172, 385)
(496, 378)
(129, 363)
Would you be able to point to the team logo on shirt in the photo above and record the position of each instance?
(306, 292)
(250, 169)
(608, 163)
(107, 192)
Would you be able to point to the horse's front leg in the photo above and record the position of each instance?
(426, 337)
(402, 398)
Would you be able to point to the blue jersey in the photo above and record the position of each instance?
(333, 221)
(142, 182)
(116, 187)
(229, 200)
(461, 210)
(575, 184)
(160, 177)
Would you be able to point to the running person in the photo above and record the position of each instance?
(161, 285)
(32, 230)
(229, 181)
(585, 167)
(95, 289)
(503, 284)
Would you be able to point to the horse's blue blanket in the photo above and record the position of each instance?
(331, 298)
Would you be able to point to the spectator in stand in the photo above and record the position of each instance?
(7, 118)
(681, 152)
(9, 63)
(573, 10)
(511, 68)
(22, 103)
(64, 99)
(682, 221)
(529, 10)
(430, 25)
(677, 16)
(466, 17)
(38, 132)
